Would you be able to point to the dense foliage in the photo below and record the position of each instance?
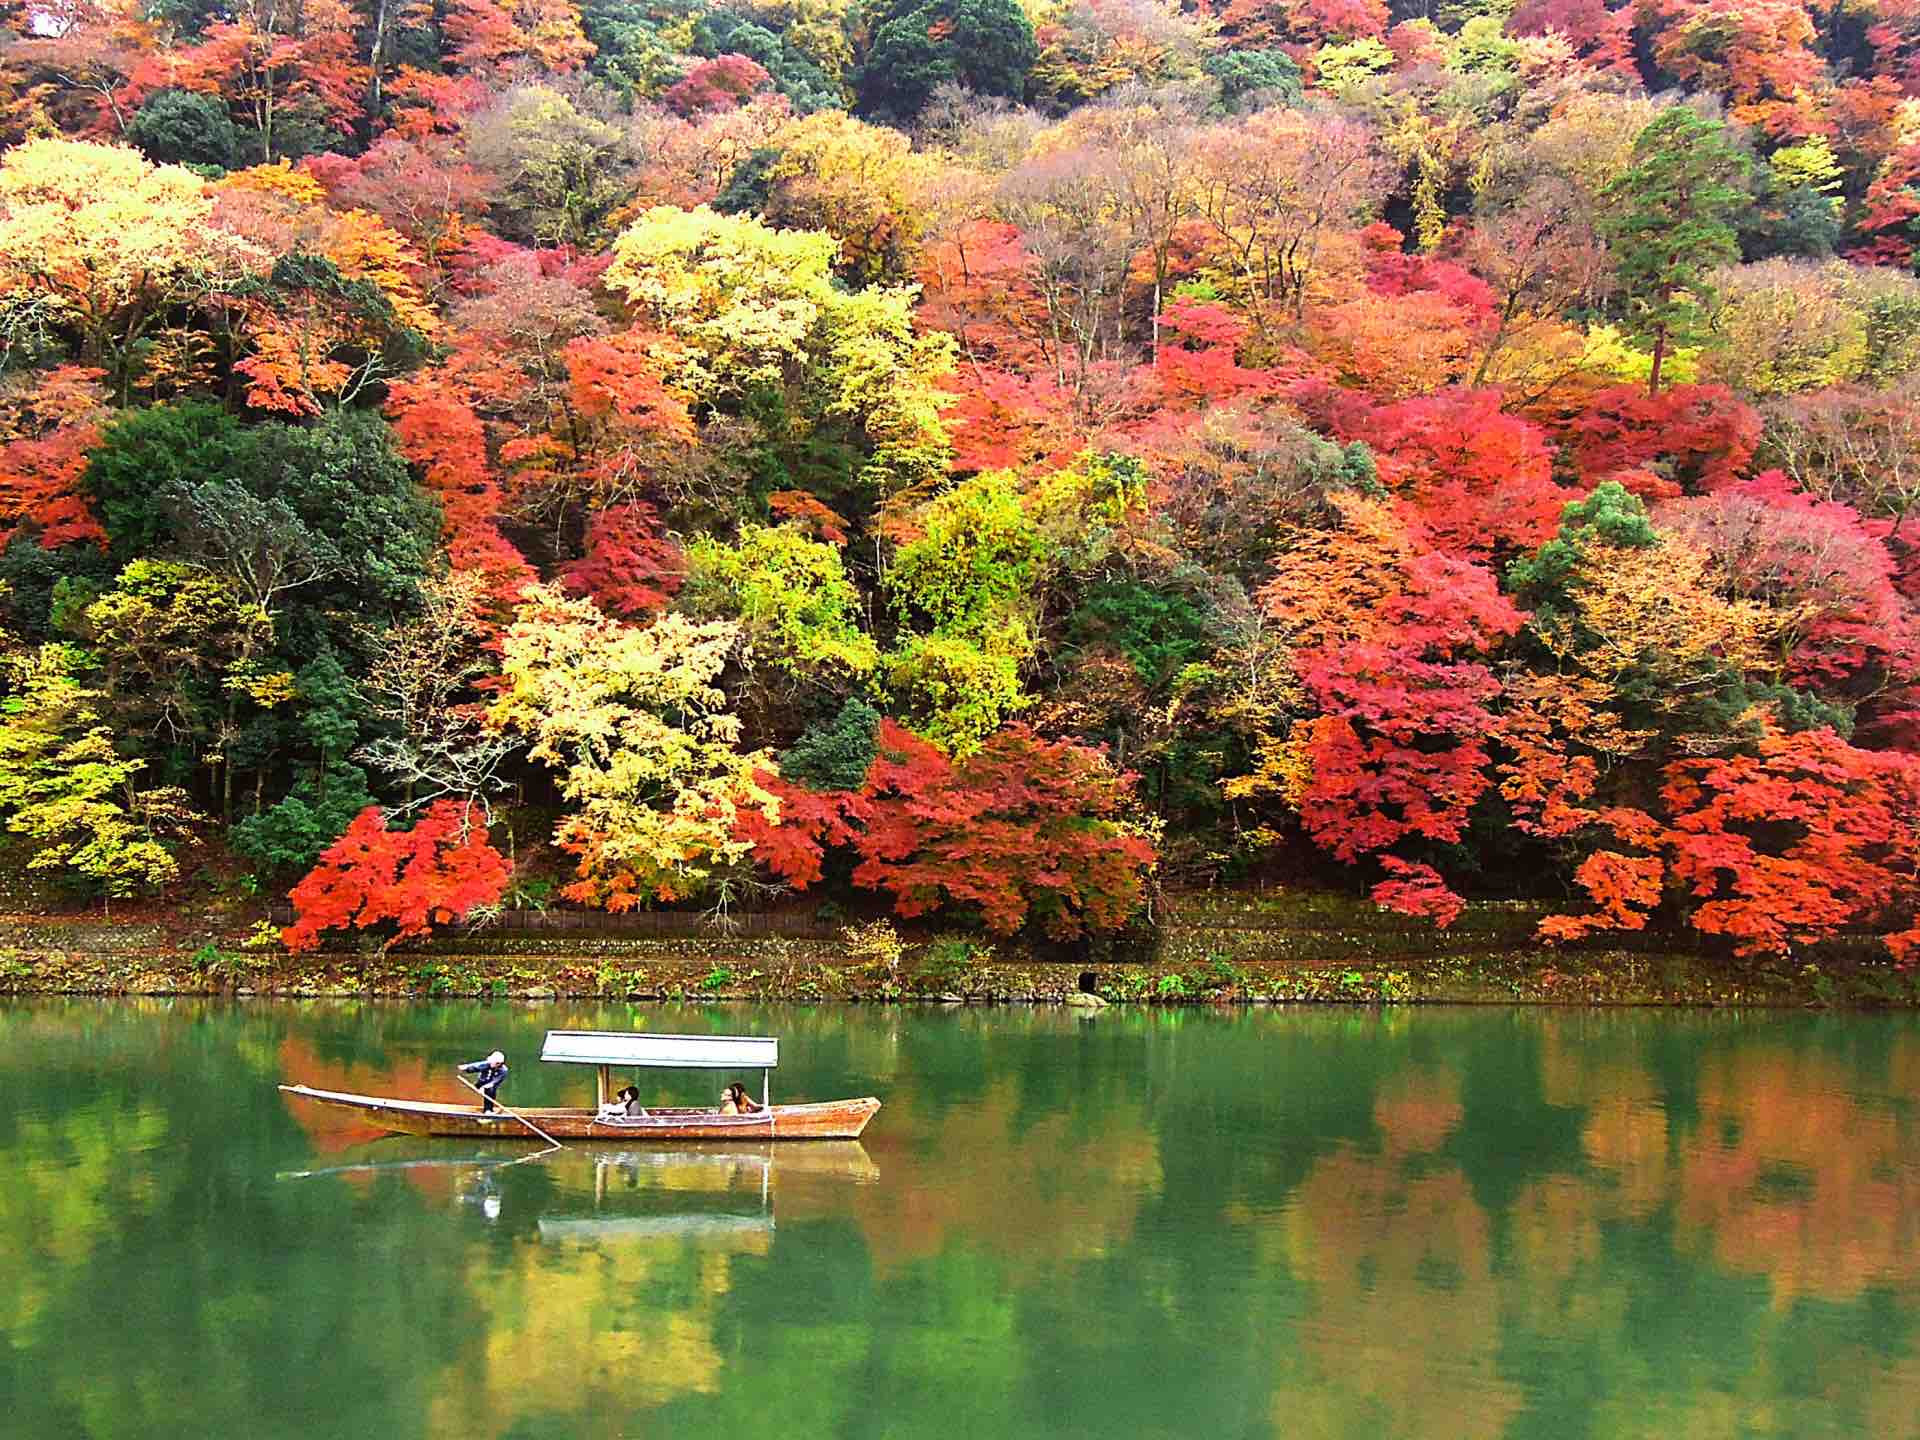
(987, 454)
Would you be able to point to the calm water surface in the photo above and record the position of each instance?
(1294, 1223)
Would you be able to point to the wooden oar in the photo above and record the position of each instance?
(553, 1143)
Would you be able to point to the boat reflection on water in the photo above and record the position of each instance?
(599, 1195)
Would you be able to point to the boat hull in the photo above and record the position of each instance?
(827, 1120)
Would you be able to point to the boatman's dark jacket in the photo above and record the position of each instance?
(490, 1076)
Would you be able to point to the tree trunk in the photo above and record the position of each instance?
(378, 44)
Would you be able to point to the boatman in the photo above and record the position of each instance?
(491, 1071)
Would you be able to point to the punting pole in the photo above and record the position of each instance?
(552, 1143)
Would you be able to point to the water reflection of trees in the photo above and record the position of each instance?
(1330, 1223)
(1688, 1274)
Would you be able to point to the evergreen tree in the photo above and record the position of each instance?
(1676, 205)
(985, 45)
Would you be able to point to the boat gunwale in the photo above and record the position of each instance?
(704, 1114)
(813, 1120)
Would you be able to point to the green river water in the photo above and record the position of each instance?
(1340, 1223)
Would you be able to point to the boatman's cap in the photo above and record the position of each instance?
(496, 1058)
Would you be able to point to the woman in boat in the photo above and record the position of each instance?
(624, 1106)
(734, 1100)
(492, 1072)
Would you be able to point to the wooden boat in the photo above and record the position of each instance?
(608, 1050)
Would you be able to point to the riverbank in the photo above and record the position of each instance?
(1286, 947)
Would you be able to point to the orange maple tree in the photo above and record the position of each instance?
(1789, 843)
(55, 422)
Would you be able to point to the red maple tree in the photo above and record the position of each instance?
(434, 874)
(1023, 829)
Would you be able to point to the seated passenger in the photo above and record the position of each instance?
(734, 1100)
(624, 1106)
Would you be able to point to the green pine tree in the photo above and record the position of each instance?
(1676, 202)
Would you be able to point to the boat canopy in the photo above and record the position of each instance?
(673, 1052)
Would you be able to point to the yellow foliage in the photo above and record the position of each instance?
(632, 717)
(1787, 326)
(1610, 356)
(863, 184)
(1590, 138)
(1653, 608)
(1283, 767)
(746, 295)
(1347, 65)
(1809, 165)
(752, 303)
(95, 228)
(265, 688)
(279, 178)
(366, 248)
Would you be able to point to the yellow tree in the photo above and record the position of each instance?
(649, 756)
(863, 184)
(68, 791)
(97, 245)
(792, 593)
(1638, 653)
(756, 312)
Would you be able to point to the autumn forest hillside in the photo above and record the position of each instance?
(991, 457)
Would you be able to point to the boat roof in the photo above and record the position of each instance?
(672, 1052)
(555, 1229)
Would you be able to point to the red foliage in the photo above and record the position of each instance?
(433, 874)
(724, 83)
(1864, 114)
(427, 104)
(1393, 272)
(309, 56)
(1818, 563)
(1002, 421)
(1416, 889)
(1785, 846)
(1757, 53)
(629, 568)
(818, 521)
(1388, 633)
(1481, 480)
(1198, 363)
(1414, 45)
(1697, 437)
(1893, 205)
(811, 822)
(1336, 19)
(484, 264)
(421, 188)
(616, 380)
(1601, 37)
(977, 284)
(55, 424)
(486, 35)
(1024, 828)
(438, 430)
